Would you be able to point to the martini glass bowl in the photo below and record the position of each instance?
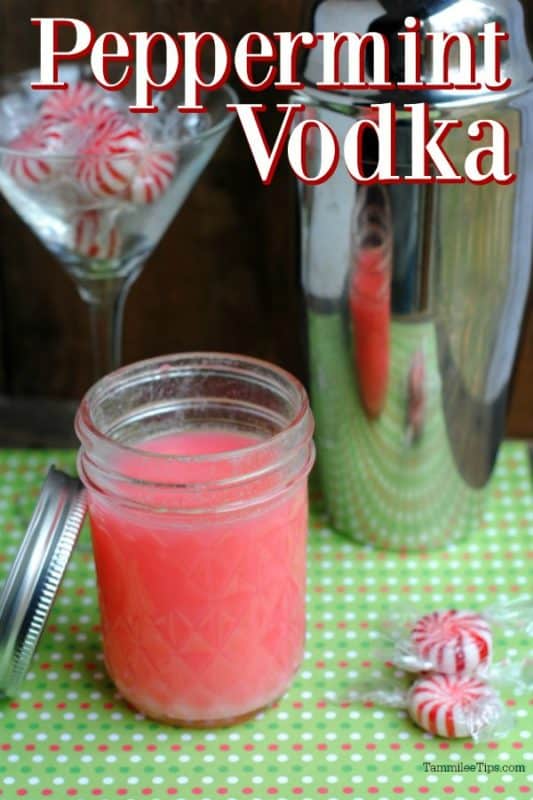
(102, 205)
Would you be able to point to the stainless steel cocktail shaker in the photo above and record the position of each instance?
(415, 294)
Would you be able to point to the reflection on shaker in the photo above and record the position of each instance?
(369, 298)
(416, 398)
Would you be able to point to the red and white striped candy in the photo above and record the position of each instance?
(451, 705)
(108, 159)
(94, 238)
(453, 642)
(153, 175)
(62, 105)
(31, 165)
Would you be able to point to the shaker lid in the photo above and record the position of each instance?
(36, 574)
(386, 17)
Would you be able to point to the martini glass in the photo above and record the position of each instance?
(102, 214)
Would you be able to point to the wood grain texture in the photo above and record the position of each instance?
(224, 277)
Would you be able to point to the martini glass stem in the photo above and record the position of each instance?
(105, 298)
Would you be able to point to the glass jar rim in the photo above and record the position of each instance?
(85, 426)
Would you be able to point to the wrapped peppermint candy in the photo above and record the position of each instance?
(450, 706)
(454, 706)
(451, 641)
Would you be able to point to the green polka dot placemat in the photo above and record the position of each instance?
(68, 733)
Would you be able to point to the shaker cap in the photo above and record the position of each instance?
(33, 582)
(386, 17)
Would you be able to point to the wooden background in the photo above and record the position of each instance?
(224, 277)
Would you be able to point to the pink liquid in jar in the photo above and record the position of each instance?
(203, 615)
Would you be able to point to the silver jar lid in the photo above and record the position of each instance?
(33, 582)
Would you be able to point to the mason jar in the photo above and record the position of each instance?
(196, 468)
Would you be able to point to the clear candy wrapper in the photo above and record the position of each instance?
(450, 641)
(451, 706)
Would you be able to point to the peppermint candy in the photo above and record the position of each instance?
(108, 159)
(94, 237)
(153, 175)
(452, 706)
(452, 642)
(30, 164)
(63, 105)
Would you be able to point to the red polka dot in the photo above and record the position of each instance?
(196, 790)
(272, 790)
(492, 745)
(347, 790)
(273, 747)
(448, 789)
(423, 790)
(524, 789)
(176, 747)
(322, 790)
(444, 745)
(37, 705)
(46, 792)
(128, 747)
(473, 789)
(54, 747)
(122, 791)
(247, 790)
(373, 790)
(297, 705)
(468, 746)
(297, 790)
(72, 792)
(517, 745)
(172, 790)
(222, 790)
(395, 746)
(249, 747)
(146, 791)
(29, 747)
(370, 746)
(322, 746)
(96, 792)
(21, 792)
(78, 747)
(419, 745)
(346, 746)
(200, 747)
(6, 746)
(397, 789)
(297, 747)
(103, 747)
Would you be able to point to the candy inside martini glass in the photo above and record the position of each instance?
(99, 185)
